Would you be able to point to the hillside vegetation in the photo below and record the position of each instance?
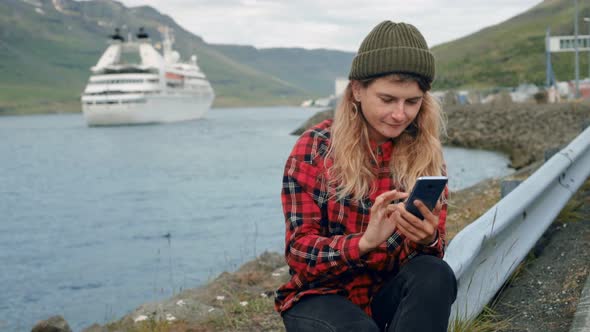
(513, 51)
(48, 46)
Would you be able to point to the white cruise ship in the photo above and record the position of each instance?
(133, 83)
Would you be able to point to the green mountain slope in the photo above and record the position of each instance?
(47, 48)
(313, 70)
(513, 51)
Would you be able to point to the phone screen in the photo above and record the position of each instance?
(428, 190)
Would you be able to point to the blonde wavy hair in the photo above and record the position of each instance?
(417, 151)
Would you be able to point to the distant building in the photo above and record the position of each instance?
(584, 88)
(524, 93)
(564, 89)
(340, 85)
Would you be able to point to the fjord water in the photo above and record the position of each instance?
(96, 221)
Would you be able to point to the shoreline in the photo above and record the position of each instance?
(73, 107)
(242, 300)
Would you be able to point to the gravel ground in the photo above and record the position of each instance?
(544, 294)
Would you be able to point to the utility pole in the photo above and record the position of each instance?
(587, 20)
(577, 51)
(549, 76)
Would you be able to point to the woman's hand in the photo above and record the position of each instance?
(382, 223)
(419, 231)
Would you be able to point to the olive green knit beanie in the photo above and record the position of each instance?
(393, 47)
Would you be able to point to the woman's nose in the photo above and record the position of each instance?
(398, 113)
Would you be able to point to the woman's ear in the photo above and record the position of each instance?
(356, 90)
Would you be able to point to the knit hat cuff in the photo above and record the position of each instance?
(393, 59)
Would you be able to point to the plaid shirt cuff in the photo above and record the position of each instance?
(351, 251)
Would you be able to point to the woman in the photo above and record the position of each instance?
(358, 260)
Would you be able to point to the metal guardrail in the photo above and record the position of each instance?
(486, 252)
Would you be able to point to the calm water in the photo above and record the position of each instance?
(84, 211)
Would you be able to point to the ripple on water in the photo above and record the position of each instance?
(92, 285)
(84, 244)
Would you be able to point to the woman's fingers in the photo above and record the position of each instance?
(390, 209)
(420, 231)
(410, 234)
(409, 228)
(429, 217)
(388, 196)
(410, 217)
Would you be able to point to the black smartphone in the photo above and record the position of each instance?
(428, 190)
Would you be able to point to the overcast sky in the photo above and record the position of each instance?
(333, 24)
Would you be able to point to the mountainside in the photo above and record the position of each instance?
(48, 46)
(513, 51)
(313, 70)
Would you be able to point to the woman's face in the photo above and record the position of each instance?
(389, 106)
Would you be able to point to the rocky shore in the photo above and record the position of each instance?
(522, 131)
(242, 300)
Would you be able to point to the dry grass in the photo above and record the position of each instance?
(571, 211)
(148, 325)
(257, 315)
(487, 321)
(243, 312)
(465, 206)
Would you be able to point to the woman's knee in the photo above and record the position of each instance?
(304, 324)
(434, 274)
(327, 313)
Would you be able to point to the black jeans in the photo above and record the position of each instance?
(418, 298)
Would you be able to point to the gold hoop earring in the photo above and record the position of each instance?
(355, 111)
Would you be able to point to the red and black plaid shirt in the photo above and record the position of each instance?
(322, 234)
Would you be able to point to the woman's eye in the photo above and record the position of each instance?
(412, 102)
(386, 100)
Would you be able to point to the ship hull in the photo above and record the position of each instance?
(146, 110)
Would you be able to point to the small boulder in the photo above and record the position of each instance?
(52, 324)
(317, 118)
(520, 158)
